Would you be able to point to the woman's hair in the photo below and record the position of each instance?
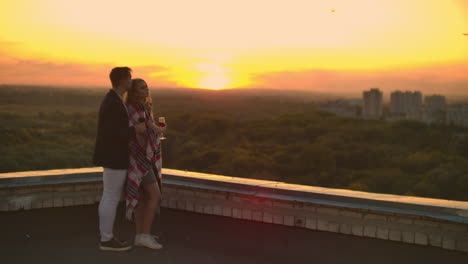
(131, 96)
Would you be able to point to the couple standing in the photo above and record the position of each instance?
(128, 147)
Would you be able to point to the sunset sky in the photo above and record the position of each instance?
(328, 46)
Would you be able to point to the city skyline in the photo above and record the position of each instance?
(338, 46)
(403, 105)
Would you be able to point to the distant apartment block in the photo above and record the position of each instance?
(409, 105)
(435, 102)
(372, 103)
(457, 115)
(435, 108)
(405, 104)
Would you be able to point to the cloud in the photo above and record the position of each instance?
(37, 72)
(444, 79)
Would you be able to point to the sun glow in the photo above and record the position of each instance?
(214, 81)
(213, 76)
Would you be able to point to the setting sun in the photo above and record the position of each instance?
(214, 82)
(214, 76)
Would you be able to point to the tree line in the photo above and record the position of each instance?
(251, 136)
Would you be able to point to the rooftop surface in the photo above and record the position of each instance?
(69, 235)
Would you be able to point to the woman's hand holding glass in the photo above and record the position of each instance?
(159, 128)
(162, 125)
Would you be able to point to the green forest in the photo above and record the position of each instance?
(272, 135)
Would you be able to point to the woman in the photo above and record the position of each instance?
(143, 191)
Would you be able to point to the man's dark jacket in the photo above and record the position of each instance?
(113, 133)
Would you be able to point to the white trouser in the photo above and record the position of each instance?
(113, 183)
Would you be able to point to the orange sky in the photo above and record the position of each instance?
(335, 45)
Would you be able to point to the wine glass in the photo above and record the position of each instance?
(162, 123)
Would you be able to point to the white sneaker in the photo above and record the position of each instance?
(137, 238)
(146, 240)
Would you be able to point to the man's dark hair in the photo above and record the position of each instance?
(119, 73)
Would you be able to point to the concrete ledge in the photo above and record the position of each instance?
(433, 222)
(453, 211)
(32, 178)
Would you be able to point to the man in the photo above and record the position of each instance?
(111, 152)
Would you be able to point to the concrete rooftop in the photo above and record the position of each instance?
(69, 235)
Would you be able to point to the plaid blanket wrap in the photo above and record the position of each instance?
(144, 152)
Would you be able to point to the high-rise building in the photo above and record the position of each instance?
(416, 99)
(396, 103)
(435, 109)
(435, 102)
(405, 104)
(457, 115)
(373, 103)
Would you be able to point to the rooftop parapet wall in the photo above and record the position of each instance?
(434, 222)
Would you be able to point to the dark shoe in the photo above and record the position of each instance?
(114, 245)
